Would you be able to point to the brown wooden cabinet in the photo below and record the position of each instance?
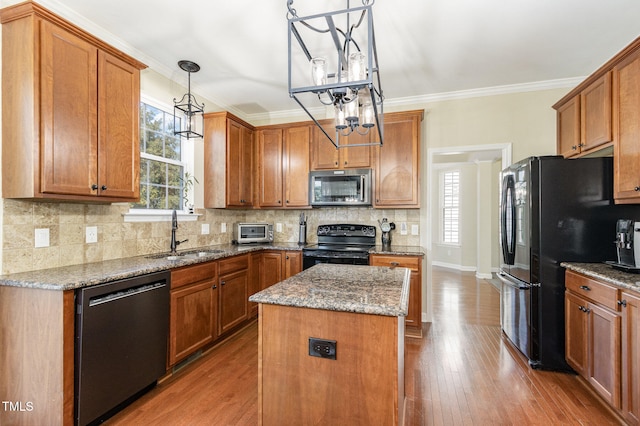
(194, 310)
(283, 166)
(233, 284)
(325, 156)
(626, 154)
(568, 127)
(291, 263)
(592, 334)
(595, 114)
(397, 174)
(75, 135)
(630, 355)
(228, 161)
(413, 320)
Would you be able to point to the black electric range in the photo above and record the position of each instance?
(340, 243)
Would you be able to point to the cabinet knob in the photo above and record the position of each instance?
(345, 163)
(286, 257)
(637, 188)
(287, 201)
(214, 286)
(336, 163)
(394, 264)
(585, 288)
(94, 187)
(574, 147)
(222, 282)
(279, 201)
(103, 187)
(622, 303)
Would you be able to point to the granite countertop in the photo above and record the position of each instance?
(398, 250)
(606, 273)
(78, 276)
(373, 290)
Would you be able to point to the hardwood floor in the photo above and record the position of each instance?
(461, 372)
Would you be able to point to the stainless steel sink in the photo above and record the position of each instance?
(190, 254)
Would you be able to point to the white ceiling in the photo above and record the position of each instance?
(428, 49)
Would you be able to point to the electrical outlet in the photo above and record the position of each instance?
(403, 228)
(205, 229)
(42, 237)
(223, 227)
(322, 348)
(91, 234)
(278, 227)
(415, 230)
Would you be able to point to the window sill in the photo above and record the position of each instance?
(137, 215)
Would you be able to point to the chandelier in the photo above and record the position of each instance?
(187, 110)
(333, 63)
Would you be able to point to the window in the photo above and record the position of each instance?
(450, 202)
(161, 161)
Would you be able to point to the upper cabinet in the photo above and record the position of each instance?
(283, 166)
(397, 173)
(626, 82)
(70, 111)
(228, 161)
(584, 121)
(325, 156)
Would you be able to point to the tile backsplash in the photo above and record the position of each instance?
(66, 223)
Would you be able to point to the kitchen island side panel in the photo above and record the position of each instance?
(363, 385)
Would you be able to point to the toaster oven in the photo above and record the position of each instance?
(253, 233)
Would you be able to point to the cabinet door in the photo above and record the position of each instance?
(356, 157)
(413, 320)
(604, 350)
(576, 333)
(239, 165)
(630, 357)
(626, 155)
(397, 174)
(271, 269)
(296, 166)
(69, 105)
(292, 263)
(193, 319)
(119, 124)
(254, 281)
(270, 153)
(568, 128)
(233, 299)
(324, 155)
(595, 113)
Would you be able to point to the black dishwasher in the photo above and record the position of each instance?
(121, 343)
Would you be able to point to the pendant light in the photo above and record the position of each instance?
(188, 114)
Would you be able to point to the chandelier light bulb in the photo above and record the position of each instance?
(340, 120)
(357, 67)
(351, 107)
(319, 71)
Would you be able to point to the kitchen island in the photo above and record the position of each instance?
(331, 346)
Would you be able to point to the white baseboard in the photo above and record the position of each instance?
(454, 266)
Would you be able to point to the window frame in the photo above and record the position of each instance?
(442, 208)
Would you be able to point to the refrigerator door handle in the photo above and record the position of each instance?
(508, 206)
(515, 284)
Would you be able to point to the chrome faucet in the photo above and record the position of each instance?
(174, 227)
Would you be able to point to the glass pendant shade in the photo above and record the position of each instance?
(319, 71)
(187, 111)
(351, 109)
(367, 115)
(357, 67)
(341, 123)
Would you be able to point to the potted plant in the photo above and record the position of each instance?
(188, 182)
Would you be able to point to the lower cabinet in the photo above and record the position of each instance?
(291, 263)
(594, 335)
(630, 355)
(413, 320)
(233, 285)
(194, 310)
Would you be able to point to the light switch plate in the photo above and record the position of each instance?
(403, 228)
(223, 227)
(278, 227)
(91, 234)
(42, 237)
(415, 230)
(205, 229)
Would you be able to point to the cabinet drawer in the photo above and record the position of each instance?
(596, 291)
(233, 264)
(411, 262)
(193, 274)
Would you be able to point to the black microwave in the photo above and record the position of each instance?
(349, 187)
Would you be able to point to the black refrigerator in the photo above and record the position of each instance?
(552, 210)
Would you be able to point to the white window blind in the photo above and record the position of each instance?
(451, 207)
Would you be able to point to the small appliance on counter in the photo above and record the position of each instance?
(253, 233)
(627, 238)
(386, 228)
(302, 234)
